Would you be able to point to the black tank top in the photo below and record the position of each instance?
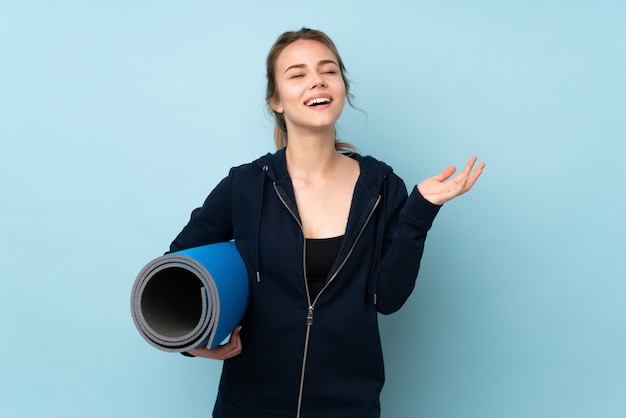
(320, 257)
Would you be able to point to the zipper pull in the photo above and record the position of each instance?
(309, 317)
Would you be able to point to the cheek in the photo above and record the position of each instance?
(342, 103)
(285, 96)
(343, 87)
(342, 95)
(281, 99)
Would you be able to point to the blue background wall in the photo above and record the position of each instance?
(117, 118)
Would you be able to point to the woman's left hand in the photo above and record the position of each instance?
(438, 191)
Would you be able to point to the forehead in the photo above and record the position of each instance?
(303, 52)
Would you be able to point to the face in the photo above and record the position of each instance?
(311, 90)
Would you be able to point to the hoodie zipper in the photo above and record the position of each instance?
(311, 309)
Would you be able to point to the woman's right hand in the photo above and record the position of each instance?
(222, 352)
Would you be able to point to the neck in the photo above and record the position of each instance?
(312, 154)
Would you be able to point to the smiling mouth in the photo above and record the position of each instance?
(318, 102)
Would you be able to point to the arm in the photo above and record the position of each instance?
(210, 223)
(403, 245)
(406, 229)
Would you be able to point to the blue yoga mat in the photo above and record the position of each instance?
(191, 298)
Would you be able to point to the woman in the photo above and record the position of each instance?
(330, 239)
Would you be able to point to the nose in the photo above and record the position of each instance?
(317, 81)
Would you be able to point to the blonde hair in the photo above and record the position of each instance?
(271, 94)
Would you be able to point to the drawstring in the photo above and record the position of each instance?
(380, 241)
(258, 228)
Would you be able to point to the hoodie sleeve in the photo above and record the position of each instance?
(407, 224)
(210, 223)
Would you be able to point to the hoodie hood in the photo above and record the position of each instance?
(371, 178)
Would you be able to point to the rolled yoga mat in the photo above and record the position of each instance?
(191, 298)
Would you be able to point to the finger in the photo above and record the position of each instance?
(235, 339)
(468, 167)
(221, 352)
(474, 176)
(445, 174)
(466, 175)
(232, 348)
(226, 351)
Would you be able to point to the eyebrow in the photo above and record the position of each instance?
(322, 62)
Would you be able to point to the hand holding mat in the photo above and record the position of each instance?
(191, 298)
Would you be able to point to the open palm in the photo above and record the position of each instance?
(441, 188)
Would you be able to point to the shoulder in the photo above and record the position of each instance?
(369, 162)
(377, 174)
(272, 165)
(375, 167)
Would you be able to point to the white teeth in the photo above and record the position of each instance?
(320, 100)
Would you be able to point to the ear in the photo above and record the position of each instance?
(276, 107)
